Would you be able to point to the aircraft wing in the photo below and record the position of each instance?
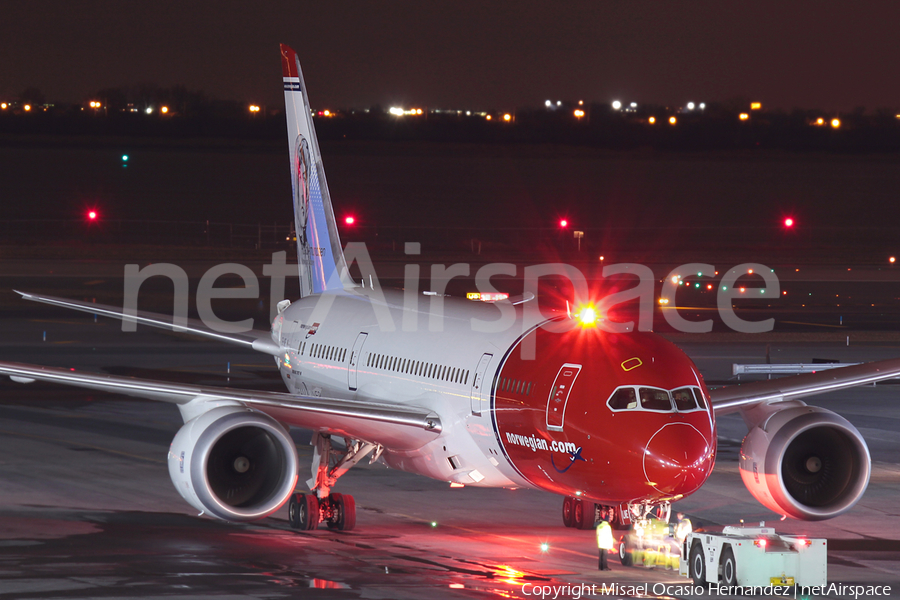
(261, 341)
(396, 427)
(732, 398)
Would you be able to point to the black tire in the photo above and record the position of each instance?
(625, 550)
(303, 512)
(343, 510)
(294, 511)
(568, 511)
(577, 513)
(697, 565)
(616, 522)
(587, 515)
(729, 567)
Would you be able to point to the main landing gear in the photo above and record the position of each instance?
(584, 514)
(338, 511)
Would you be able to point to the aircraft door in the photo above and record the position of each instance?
(479, 393)
(355, 354)
(559, 396)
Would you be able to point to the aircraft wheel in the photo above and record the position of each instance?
(343, 512)
(588, 514)
(568, 509)
(729, 568)
(303, 511)
(577, 513)
(697, 564)
(624, 552)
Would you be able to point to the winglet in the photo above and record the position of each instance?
(319, 253)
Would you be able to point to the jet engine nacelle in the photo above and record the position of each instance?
(803, 461)
(233, 463)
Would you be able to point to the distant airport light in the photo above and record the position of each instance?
(349, 220)
(703, 106)
(633, 105)
(148, 110)
(581, 103)
(559, 102)
(563, 223)
(4, 106)
(672, 120)
(487, 117)
(743, 116)
(892, 259)
(547, 103)
(835, 123)
(92, 215)
(651, 120)
(789, 222)
(507, 117)
(124, 158)
(820, 121)
(27, 107)
(691, 106)
(578, 113)
(616, 105)
(254, 108)
(663, 301)
(396, 110)
(164, 109)
(756, 106)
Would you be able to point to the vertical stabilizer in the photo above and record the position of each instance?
(319, 253)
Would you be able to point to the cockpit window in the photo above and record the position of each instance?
(655, 399)
(701, 401)
(684, 399)
(623, 398)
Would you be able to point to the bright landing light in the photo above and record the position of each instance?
(587, 316)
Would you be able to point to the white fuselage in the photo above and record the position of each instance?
(405, 354)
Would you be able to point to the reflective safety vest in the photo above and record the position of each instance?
(604, 536)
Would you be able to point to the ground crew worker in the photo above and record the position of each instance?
(604, 543)
(683, 528)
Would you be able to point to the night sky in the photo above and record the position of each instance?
(499, 54)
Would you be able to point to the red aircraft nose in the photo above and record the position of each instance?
(677, 459)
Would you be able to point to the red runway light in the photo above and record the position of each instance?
(563, 223)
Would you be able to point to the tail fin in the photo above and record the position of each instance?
(319, 252)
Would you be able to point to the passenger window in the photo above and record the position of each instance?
(623, 398)
(684, 399)
(654, 399)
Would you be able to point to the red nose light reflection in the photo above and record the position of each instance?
(677, 459)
